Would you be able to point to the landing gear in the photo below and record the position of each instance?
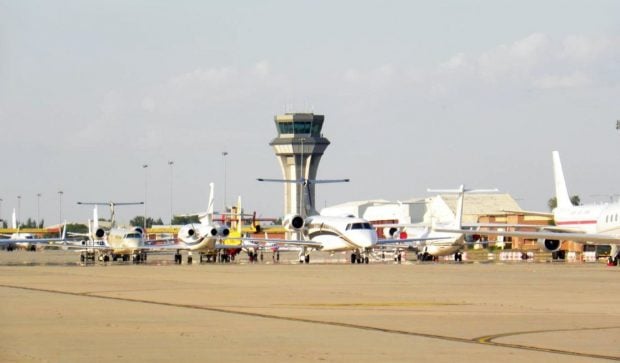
(189, 259)
(87, 256)
(178, 258)
(458, 257)
(304, 256)
(359, 257)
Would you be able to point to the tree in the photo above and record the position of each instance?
(184, 220)
(138, 221)
(77, 228)
(553, 202)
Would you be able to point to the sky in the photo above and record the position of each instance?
(415, 95)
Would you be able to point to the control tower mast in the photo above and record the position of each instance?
(299, 147)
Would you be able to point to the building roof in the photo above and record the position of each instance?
(476, 205)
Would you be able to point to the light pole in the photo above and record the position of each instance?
(224, 153)
(145, 166)
(1, 220)
(60, 193)
(38, 209)
(171, 164)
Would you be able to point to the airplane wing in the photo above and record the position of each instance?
(403, 241)
(283, 242)
(43, 241)
(528, 212)
(6, 241)
(589, 238)
(539, 227)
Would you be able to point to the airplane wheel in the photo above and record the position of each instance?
(307, 259)
(353, 258)
(189, 260)
(106, 258)
(82, 258)
(366, 260)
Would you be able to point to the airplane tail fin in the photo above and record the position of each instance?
(210, 206)
(14, 220)
(64, 231)
(95, 219)
(239, 216)
(309, 208)
(561, 192)
(457, 223)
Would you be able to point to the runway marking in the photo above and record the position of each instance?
(485, 340)
(376, 304)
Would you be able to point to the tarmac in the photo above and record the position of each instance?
(53, 309)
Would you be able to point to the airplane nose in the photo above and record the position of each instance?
(369, 240)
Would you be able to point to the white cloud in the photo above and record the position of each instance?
(456, 62)
(261, 69)
(538, 60)
(582, 48)
(576, 79)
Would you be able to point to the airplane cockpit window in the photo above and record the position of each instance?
(364, 225)
(132, 235)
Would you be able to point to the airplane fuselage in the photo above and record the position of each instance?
(340, 233)
(604, 218)
(124, 241)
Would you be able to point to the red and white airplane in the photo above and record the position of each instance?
(596, 224)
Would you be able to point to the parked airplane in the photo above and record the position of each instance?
(115, 243)
(201, 237)
(27, 241)
(430, 241)
(597, 224)
(327, 233)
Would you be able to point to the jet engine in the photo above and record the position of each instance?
(549, 245)
(293, 222)
(99, 233)
(390, 232)
(223, 231)
(192, 233)
(139, 230)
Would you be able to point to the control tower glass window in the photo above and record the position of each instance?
(300, 127)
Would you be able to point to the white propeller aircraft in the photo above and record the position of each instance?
(597, 224)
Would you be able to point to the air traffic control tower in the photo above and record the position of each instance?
(299, 147)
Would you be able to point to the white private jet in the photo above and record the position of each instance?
(115, 243)
(28, 240)
(201, 237)
(597, 224)
(328, 233)
(429, 240)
